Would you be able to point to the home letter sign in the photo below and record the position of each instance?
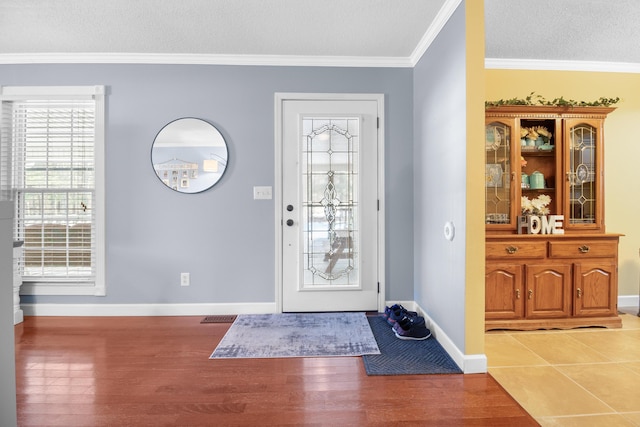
(549, 224)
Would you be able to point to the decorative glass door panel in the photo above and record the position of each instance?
(330, 217)
(330, 202)
(582, 175)
(498, 183)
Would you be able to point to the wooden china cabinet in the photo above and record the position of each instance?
(562, 276)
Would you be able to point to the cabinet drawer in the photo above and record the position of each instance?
(585, 249)
(506, 250)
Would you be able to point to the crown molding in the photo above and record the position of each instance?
(536, 64)
(448, 8)
(203, 59)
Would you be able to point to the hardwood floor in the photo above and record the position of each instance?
(155, 371)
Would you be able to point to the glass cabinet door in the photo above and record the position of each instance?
(499, 183)
(583, 203)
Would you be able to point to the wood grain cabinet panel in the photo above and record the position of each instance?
(595, 289)
(504, 297)
(548, 291)
(516, 249)
(583, 248)
(556, 290)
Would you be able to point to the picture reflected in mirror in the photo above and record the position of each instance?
(189, 155)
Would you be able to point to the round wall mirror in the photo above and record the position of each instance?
(189, 155)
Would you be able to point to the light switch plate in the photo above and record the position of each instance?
(262, 193)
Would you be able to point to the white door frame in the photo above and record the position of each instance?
(280, 97)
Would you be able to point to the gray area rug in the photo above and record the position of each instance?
(297, 335)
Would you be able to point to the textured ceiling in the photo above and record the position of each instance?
(573, 30)
(558, 30)
(373, 28)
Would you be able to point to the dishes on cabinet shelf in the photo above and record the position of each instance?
(497, 218)
(543, 147)
(582, 173)
(493, 139)
(493, 175)
(536, 180)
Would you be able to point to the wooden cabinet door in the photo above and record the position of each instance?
(501, 179)
(548, 292)
(583, 165)
(504, 298)
(595, 289)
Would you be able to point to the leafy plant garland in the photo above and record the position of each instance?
(535, 99)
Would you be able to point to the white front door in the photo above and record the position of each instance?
(330, 204)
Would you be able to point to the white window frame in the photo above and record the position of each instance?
(97, 93)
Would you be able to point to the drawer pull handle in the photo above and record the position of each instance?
(530, 293)
(579, 292)
(511, 249)
(517, 293)
(584, 249)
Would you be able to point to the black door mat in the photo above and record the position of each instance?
(400, 357)
(223, 318)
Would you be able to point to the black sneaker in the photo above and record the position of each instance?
(397, 312)
(411, 328)
(408, 322)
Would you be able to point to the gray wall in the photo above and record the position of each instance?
(7, 355)
(223, 237)
(439, 178)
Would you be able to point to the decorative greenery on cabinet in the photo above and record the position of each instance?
(535, 99)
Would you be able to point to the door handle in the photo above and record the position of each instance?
(289, 222)
(289, 208)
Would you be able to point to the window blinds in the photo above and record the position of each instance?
(52, 158)
(5, 152)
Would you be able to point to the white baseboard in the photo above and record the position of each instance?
(468, 363)
(628, 301)
(199, 309)
(146, 309)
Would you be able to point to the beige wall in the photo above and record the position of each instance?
(622, 145)
(474, 295)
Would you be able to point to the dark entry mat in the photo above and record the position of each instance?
(399, 357)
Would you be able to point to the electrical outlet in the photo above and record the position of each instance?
(184, 279)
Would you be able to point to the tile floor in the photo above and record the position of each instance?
(580, 377)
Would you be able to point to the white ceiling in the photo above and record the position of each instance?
(327, 32)
(606, 31)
